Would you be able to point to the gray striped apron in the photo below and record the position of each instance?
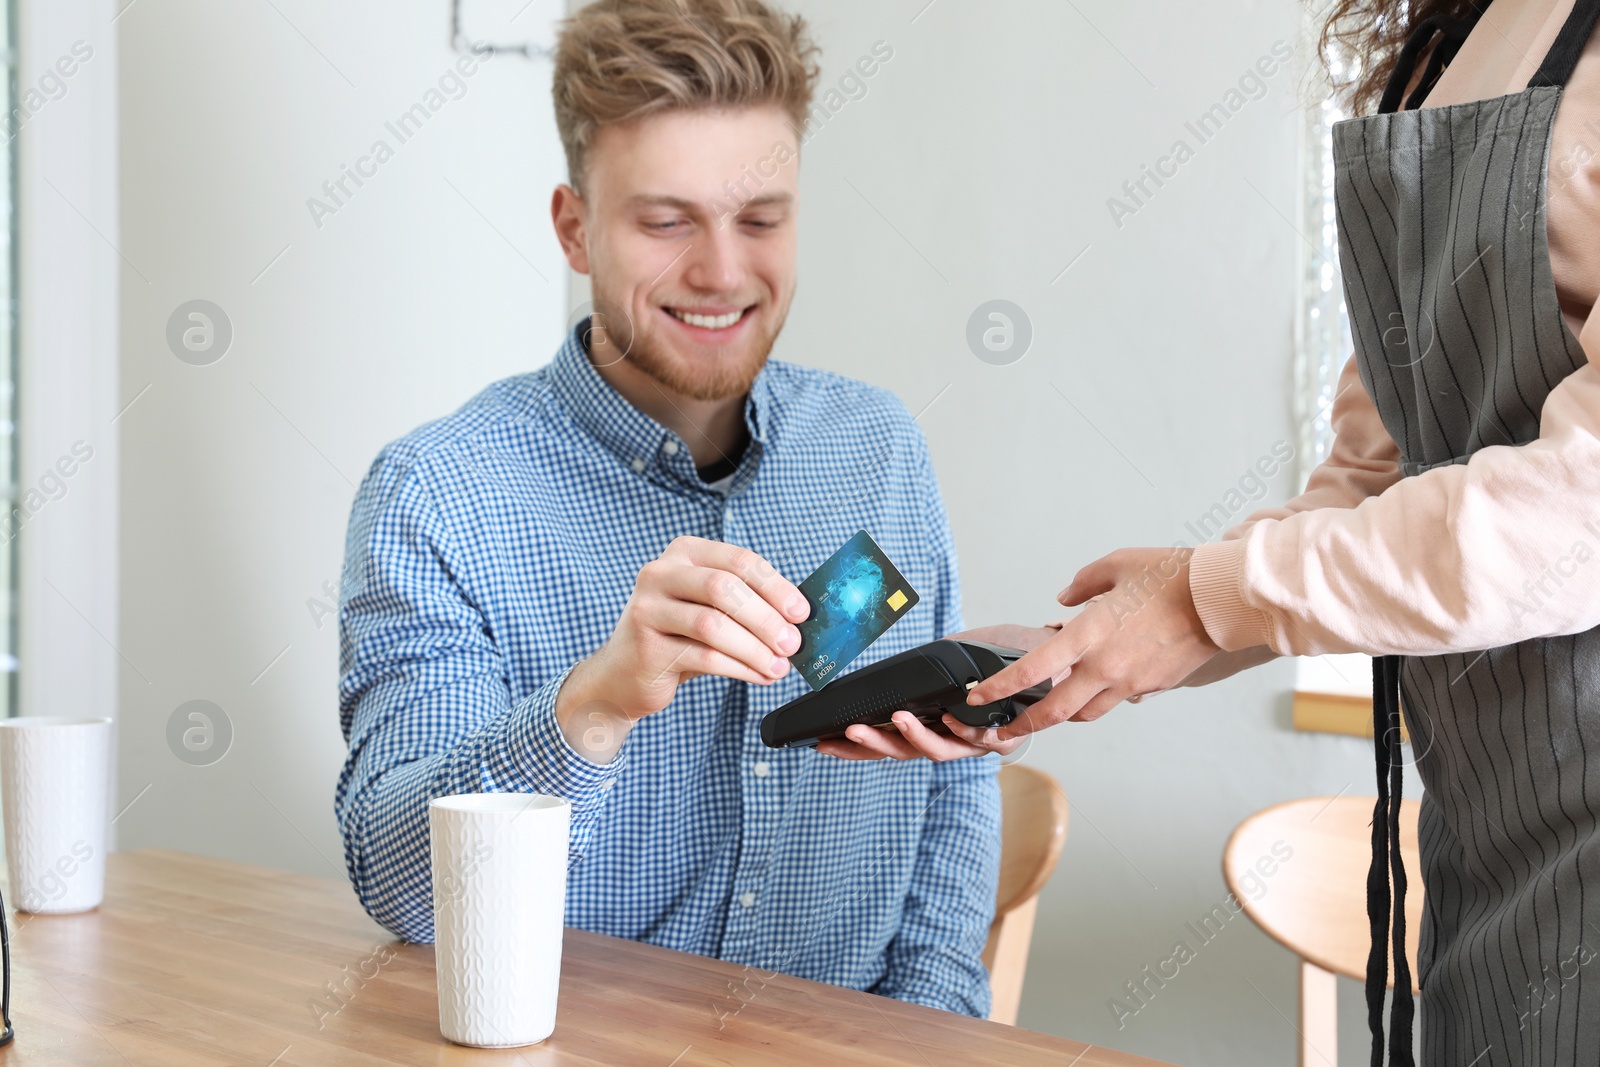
(1459, 339)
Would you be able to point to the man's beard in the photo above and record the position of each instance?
(711, 380)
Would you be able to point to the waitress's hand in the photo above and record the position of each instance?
(910, 738)
(1138, 634)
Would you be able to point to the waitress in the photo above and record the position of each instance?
(1453, 533)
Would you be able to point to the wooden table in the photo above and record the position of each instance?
(194, 961)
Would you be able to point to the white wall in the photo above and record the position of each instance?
(977, 167)
(237, 477)
(68, 273)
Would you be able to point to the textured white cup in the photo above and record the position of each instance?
(499, 897)
(55, 784)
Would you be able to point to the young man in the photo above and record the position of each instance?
(580, 584)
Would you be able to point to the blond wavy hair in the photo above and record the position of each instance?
(618, 61)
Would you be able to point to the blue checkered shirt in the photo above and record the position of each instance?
(491, 550)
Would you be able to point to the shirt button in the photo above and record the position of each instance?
(605, 787)
(638, 466)
(747, 901)
(670, 448)
(762, 769)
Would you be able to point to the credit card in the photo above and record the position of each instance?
(854, 597)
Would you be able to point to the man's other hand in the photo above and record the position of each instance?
(910, 738)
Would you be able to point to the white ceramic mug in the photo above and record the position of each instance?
(55, 784)
(499, 898)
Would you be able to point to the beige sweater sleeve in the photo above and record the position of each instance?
(1497, 550)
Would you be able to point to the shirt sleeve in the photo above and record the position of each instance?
(1477, 555)
(426, 706)
(936, 956)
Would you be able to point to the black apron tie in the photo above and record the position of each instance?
(1388, 863)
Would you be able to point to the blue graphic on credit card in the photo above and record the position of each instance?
(855, 596)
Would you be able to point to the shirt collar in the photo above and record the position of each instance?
(630, 434)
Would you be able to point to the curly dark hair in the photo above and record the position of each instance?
(1374, 31)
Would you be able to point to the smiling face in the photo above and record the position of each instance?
(686, 227)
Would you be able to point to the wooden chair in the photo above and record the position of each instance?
(1035, 828)
(1314, 903)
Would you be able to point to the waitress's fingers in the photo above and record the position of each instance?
(1099, 705)
(1053, 659)
(1061, 704)
(1099, 577)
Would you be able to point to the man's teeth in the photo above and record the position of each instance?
(707, 322)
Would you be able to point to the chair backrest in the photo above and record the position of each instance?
(1032, 835)
(1300, 871)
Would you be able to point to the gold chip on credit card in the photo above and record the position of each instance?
(898, 600)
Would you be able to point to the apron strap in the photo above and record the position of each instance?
(1387, 863)
(1454, 33)
(1563, 55)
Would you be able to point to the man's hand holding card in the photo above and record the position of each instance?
(702, 607)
